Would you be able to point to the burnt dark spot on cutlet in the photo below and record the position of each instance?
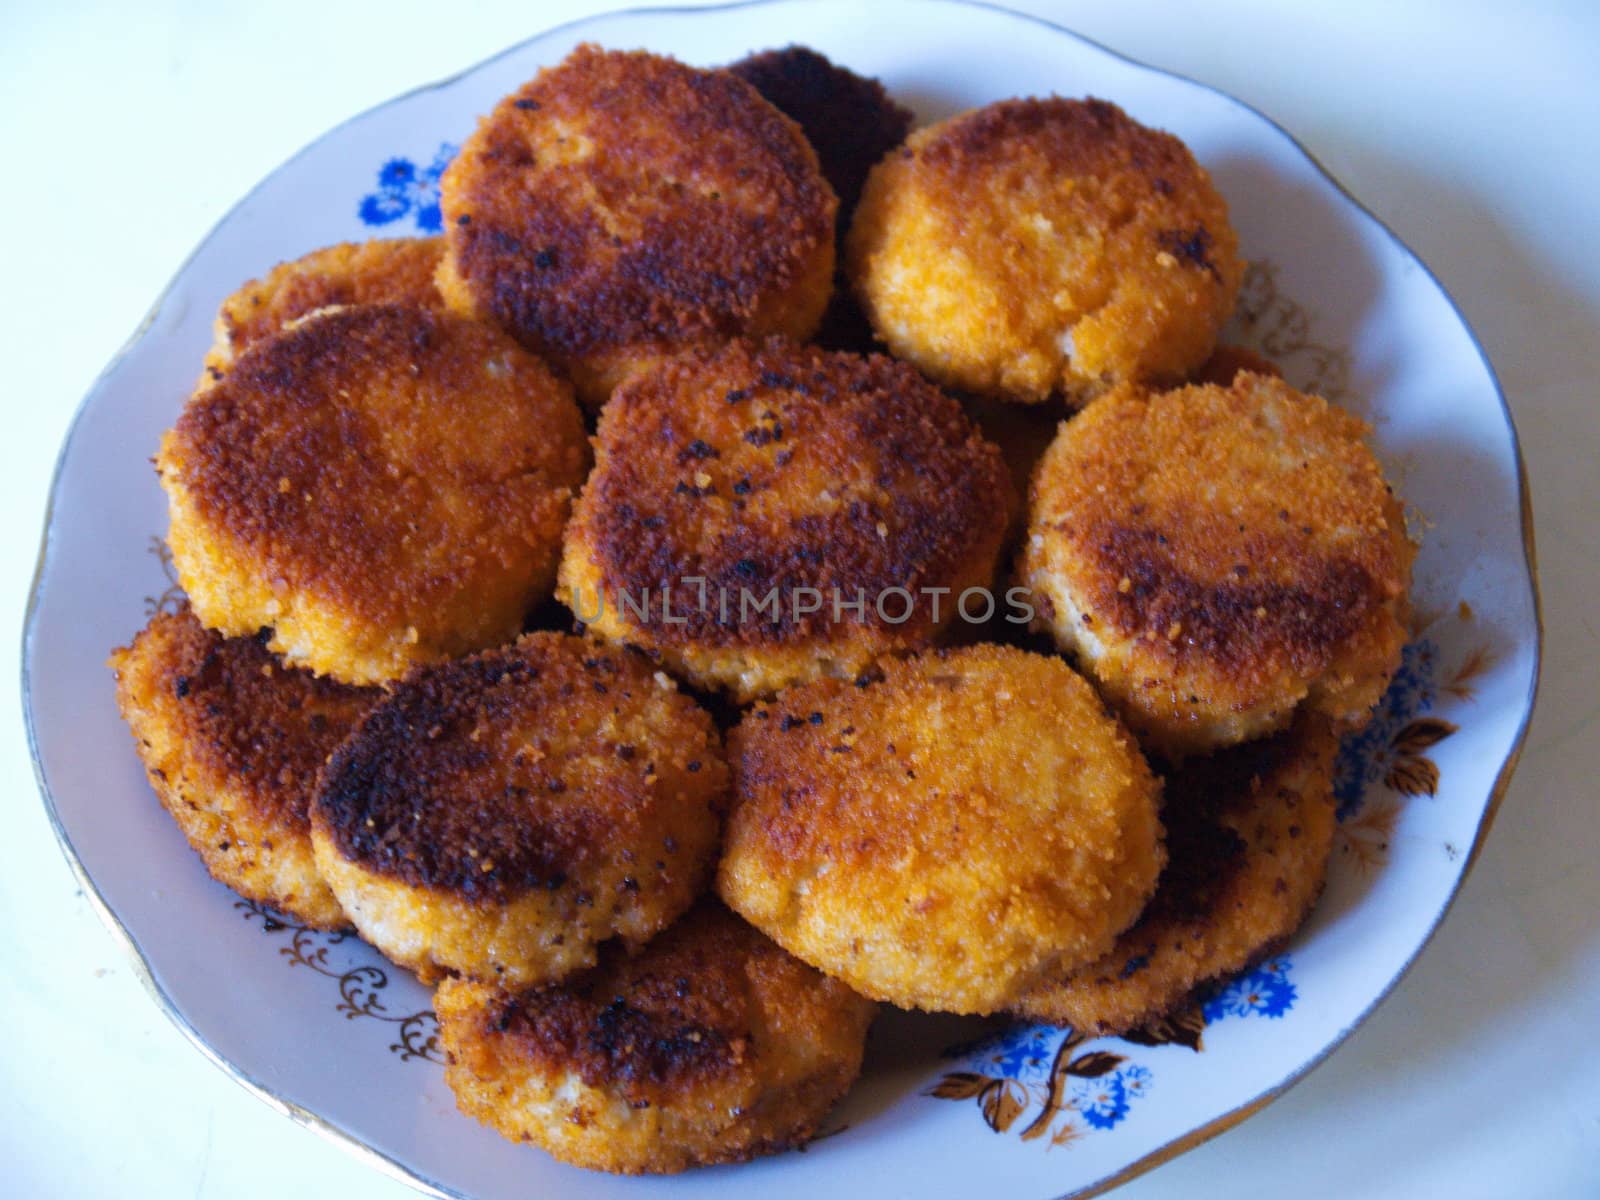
(1234, 623)
(678, 1015)
(702, 261)
(698, 451)
(1191, 246)
(435, 790)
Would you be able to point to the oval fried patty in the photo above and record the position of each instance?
(381, 271)
(380, 486)
(622, 205)
(232, 741)
(945, 837)
(1218, 556)
(1039, 248)
(1249, 832)
(711, 1045)
(499, 816)
(760, 483)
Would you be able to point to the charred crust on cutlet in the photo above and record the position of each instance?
(239, 714)
(690, 261)
(848, 118)
(448, 783)
(939, 493)
(1191, 246)
(1234, 624)
(1204, 853)
(652, 1025)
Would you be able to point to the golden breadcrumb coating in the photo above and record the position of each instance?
(1039, 248)
(945, 837)
(380, 485)
(711, 1045)
(622, 206)
(1249, 832)
(499, 816)
(774, 469)
(381, 271)
(1217, 557)
(232, 741)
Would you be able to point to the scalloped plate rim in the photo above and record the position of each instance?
(352, 1143)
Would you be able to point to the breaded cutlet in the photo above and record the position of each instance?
(1044, 248)
(380, 485)
(781, 471)
(621, 206)
(232, 741)
(500, 816)
(1218, 557)
(946, 837)
(711, 1045)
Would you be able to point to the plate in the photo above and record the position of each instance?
(324, 1030)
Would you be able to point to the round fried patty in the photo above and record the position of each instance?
(501, 815)
(1039, 248)
(623, 205)
(943, 838)
(380, 485)
(711, 1045)
(232, 741)
(1217, 556)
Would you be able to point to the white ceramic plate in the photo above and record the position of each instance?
(324, 1030)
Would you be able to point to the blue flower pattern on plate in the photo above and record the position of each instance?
(1101, 1102)
(405, 188)
(1263, 992)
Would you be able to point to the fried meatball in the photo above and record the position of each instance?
(784, 472)
(945, 837)
(848, 118)
(1249, 833)
(380, 485)
(623, 206)
(501, 815)
(232, 741)
(1217, 557)
(1039, 248)
(382, 271)
(712, 1045)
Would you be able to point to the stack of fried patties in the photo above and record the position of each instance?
(365, 715)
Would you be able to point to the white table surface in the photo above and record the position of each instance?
(1472, 129)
